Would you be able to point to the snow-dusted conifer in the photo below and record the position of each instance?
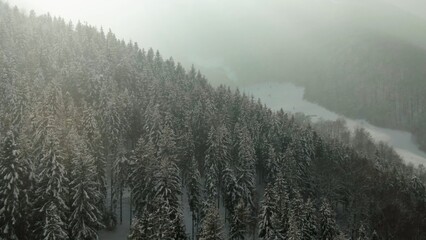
(51, 193)
(194, 194)
(85, 217)
(309, 222)
(375, 236)
(328, 227)
(14, 173)
(93, 137)
(362, 233)
(266, 228)
(239, 222)
(142, 179)
(217, 156)
(295, 217)
(294, 231)
(211, 227)
(142, 227)
(281, 196)
(246, 164)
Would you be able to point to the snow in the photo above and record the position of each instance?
(122, 230)
(290, 98)
(187, 215)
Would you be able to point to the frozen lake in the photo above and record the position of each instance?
(290, 98)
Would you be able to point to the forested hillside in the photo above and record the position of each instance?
(383, 81)
(85, 116)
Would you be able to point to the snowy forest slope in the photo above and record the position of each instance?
(78, 107)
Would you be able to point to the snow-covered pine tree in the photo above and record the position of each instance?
(239, 222)
(142, 179)
(272, 168)
(163, 225)
(268, 211)
(217, 156)
(309, 221)
(245, 164)
(232, 191)
(328, 228)
(280, 218)
(15, 101)
(93, 137)
(211, 227)
(375, 236)
(153, 120)
(194, 195)
(51, 193)
(14, 181)
(167, 182)
(142, 227)
(85, 217)
(362, 233)
(303, 152)
(152, 223)
(296, 215)
(112, 128)
(167, 149)
(186, 148)
(294, 232)
(167, 188)
(122, 169)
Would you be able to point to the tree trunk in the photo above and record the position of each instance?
(121, 204)
(130, 203)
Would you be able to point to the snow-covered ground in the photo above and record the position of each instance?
(290, 98)
(187, 215)
(122, 230)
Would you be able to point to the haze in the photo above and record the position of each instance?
(247, 41)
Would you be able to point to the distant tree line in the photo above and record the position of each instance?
(383, 81)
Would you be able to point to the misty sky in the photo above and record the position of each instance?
(245, 40)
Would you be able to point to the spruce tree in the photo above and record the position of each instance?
(296, 214)
(280, 219)
(309, 222)
(211, 228)
(52, 193)
(14, 175)
(362, 233)
(141, 176)
(245, 164)
(239, 222)
(328, 228)
(375, 236)
(294, 231)
(194, 195)
(163, 224)
(167, 182)
(167, 188)
(142, 226)
(85, 217)
(268, 211)
(217, 156)
(93, 137)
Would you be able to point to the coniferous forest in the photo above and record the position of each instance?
(86, 117)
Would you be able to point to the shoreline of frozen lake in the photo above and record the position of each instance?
(289, 97)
